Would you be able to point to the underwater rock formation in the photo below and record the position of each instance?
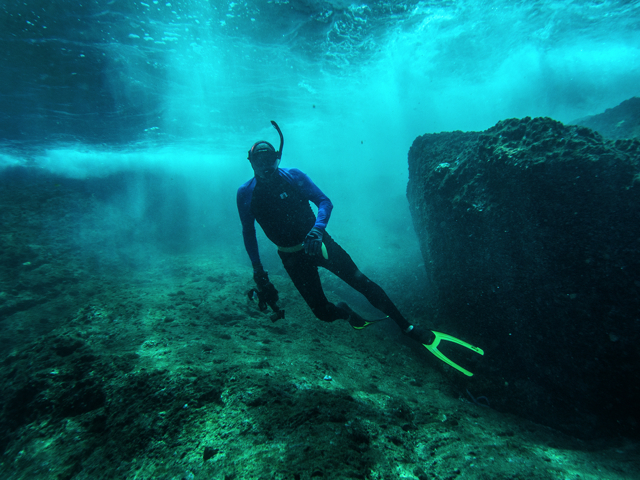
(530, 233)
(619, 122)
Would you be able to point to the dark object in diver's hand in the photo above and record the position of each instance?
(209, 452)
(277, 314)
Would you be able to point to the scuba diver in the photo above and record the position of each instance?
(278, 199)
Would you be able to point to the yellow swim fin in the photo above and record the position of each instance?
(433, 348)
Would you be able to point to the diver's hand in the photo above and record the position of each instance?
(313, 242)
(266, 288)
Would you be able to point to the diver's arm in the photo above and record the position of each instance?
(251, 245)
(315, 195)
(248, 224)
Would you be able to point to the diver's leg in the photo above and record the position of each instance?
(304, 274)
(342, 265)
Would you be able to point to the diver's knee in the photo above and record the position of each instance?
(326, 314)
(325, 317)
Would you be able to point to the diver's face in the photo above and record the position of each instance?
(264, 165)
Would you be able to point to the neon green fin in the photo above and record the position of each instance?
(433, 348)
(325, 254)
(368, 323)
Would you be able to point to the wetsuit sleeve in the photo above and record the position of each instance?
(314, 194)
(248, 223)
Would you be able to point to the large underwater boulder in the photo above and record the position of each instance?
(530, 233)
(619, 122)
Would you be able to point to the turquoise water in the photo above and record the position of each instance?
(347, 80)
(94, 88)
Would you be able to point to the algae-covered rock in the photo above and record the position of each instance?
(530, 232)
(620, 122)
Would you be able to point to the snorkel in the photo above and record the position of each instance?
(264, 158)
(275, 125)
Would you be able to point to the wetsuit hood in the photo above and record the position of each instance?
(263, 156)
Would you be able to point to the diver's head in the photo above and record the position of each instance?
(264, 159)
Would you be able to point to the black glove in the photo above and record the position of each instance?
(266, 288)
(313, 242)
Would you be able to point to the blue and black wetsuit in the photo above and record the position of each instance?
(281, 207)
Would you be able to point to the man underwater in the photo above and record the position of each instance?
(278, 199)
